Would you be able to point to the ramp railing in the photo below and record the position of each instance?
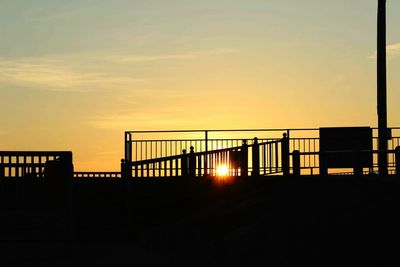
(265, 158)
(147, 145)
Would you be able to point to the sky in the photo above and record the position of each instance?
(74, 75)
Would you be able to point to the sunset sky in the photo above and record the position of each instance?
(74, 75)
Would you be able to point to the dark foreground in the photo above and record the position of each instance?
(338, 221)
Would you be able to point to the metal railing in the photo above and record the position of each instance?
(142, 145)
(97, 175)
(265, 158)
(357, 165)
(146, 145)
(16, 164)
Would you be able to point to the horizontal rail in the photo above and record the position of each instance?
(156, 160)
(199, 140)
(232, 148)
(34, 153)
(346, 151)
(97, 175)
(237, 130)
(220, 130)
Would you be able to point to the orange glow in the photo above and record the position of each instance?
(222, 170)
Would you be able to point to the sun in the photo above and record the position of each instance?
(222, 170)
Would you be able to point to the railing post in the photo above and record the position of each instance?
(296, 162)
(2, 171)
(65, 168)
(206, 156)
(125, 170)
(397, 156)
(128, 147)
(126, 174)
(184, 164)
(323, 168)
(255, 158)
(285, 155)
(192, 163)
(244, 166)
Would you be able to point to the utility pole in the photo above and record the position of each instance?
(381, 84)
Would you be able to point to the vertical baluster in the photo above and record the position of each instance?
(136, 150)
(199, 165)
(264, 152)
(215, 160)
(24, 166)
(161, 149)
(304, 149)
(313, 150)
(16, 166)
(270, 157)
(211, 163)
(397, 161)
(146, 152)
(255, 158)
(2, 167)
(151, 149)
(244, 159)
(140, 150)
(276, 157)
(176, 167)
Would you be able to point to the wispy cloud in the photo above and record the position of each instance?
(56, 76)
(392, 51)
(181, 56)
(148, 119)
(86, 72)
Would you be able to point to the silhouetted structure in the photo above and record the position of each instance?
(341, 148)
(381, 81)
(346, 147)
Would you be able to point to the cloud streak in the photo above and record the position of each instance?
(87, 72)
(146, 120)
(182, 56)
(392, 51)
(55, 76)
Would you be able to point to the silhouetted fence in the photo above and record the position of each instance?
(15, 164)
(35, 195)
(357, 165)
(258, 158)
(140, 148)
